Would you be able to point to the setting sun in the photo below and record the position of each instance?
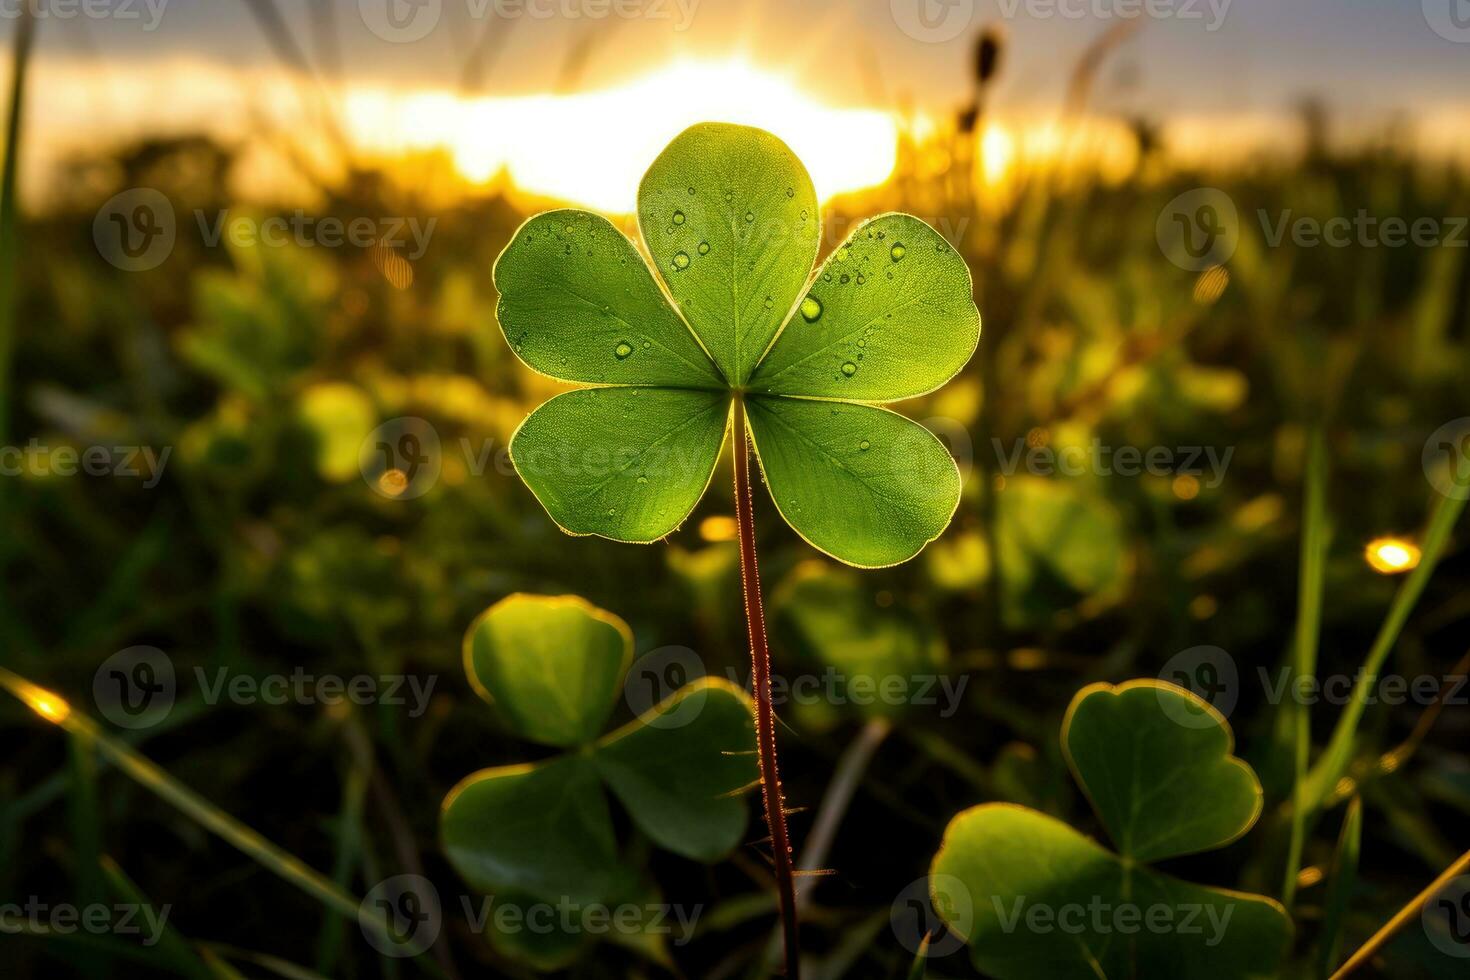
(591, 148)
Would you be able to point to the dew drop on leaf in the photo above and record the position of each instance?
(681, 260)
(897, 251)
(849, 369)
(678, 217)
(769, 302)
(811, 309)
(790, 192)
(749, 217)
(704, 248)
(622, 350)
(864, 445)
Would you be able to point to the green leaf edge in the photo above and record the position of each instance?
(595, 612)
(944, 842)
(1102, 687)
(959, 478)
(653, 274)
(811, 281)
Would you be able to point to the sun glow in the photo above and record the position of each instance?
(1389, 556)
(592, 148)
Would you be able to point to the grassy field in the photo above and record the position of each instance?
(1134, 439)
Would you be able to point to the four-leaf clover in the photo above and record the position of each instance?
(729, 217)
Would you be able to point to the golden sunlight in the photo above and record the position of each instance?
(1389, 556)
(592, 148)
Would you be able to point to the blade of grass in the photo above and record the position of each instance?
(25, 32)
(1334, 762)
(86, 836)
(170, 945)
(1404, 916)
(1297, 715)
(1340, 888)
(288, 867)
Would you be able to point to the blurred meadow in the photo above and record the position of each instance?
(268, 299)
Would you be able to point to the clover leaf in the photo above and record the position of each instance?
(885, 655)
(729, 217)
(1036, 899)
(543, 831)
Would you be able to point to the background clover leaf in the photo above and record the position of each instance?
(829, 616)
(1199, 796)
(551, 666)
(1160, 760)
(730, 219)
(543, 831)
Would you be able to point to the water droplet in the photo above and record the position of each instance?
(842, 253)
(622, 350)
(769, 302)
(849, 369)
(862, 279)
(691, 192)
(681, 260)
(864, 445)
(646, 345)
(678, 217)
(897, 251)
(704, 248)
(644, 479)
(729, 195)
(811, 309)
(749, 217)
(845, 278)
